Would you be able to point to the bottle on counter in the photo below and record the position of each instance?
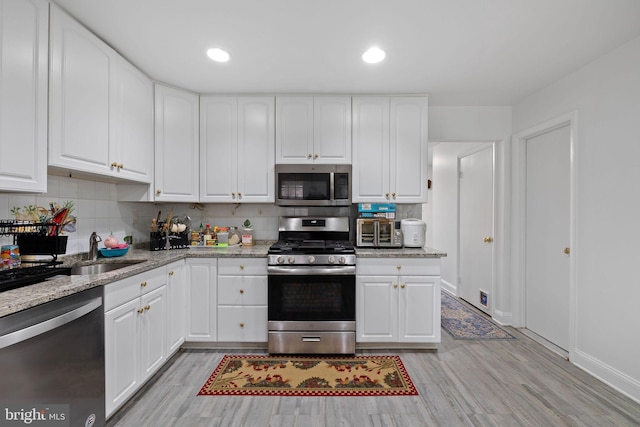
(209, 237)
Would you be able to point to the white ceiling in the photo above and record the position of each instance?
(460, 52)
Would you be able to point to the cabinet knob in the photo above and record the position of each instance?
(241, 267)
(140, 310)
(242, 291)
(242, 324)
(143, 284)
(309, 156)
(567, 251)
(395, 286)
(386, 196)
(147, 307)
(239, 195)
(315, 156)
(171, 273)
(114, 165)
(120, 166)
(402, 286)
(398, 266)
(488, 239)
(158, 192)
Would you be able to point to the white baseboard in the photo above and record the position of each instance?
(502, 317)
(607, 374)
(449, 287)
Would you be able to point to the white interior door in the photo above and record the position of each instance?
(476, 228)
(547, 289)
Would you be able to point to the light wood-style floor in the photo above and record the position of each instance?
(464, 383)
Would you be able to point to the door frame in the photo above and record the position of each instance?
(474, 150)
(518, 218)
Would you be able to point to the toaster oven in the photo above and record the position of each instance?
(378, 233)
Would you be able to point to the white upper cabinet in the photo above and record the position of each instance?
(131, 123)
(23, 101)
(176, 145)
(100, 106)
(313, 129)
(390, 149)
(237, 149)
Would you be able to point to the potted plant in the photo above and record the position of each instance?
(247, 233)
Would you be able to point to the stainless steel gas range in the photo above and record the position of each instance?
(312, 287)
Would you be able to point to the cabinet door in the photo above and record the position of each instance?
(122, 354)
(294, 129)
(176, 174)
(408, 150)
(332, 129)
(176, 310)
(218, 148)
(376, 309)
(79, 97)
(153, 331)
(24, 40)
(256, 150)
(201, 299)
(419, 309)
(131, 123)
(370, 149)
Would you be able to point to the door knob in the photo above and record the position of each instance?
(488, 239)
(567, 251)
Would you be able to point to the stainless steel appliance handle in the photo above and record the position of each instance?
(310, 271)
(50, 324)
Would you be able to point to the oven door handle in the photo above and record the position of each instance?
(310, 271)
(48, 325)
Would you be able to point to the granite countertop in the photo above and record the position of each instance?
(144, 260)
(425, 252)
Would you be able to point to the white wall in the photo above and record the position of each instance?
(606, 96)
(454, 129)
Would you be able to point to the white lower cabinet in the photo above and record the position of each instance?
(398, 300)
(242, 300)
(201, 303)
(135, 334)
(176, 307)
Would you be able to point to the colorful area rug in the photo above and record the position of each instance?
(462, 323)
(263, 375)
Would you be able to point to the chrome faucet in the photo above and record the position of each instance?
(93, 246)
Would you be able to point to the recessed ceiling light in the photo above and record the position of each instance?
(373, 55)
(218, 55)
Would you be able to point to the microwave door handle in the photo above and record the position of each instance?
(331, 186)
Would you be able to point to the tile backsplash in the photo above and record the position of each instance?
(97, 209)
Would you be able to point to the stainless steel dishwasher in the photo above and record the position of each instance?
(52, 361)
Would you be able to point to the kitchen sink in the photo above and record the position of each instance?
(100, 267)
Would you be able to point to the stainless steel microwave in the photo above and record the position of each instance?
(313, 185)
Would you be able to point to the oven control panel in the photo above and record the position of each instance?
(312, 259)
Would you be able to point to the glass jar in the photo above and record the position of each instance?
(235, 238)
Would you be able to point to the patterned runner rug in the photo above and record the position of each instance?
(263, 375)
(462, 323)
